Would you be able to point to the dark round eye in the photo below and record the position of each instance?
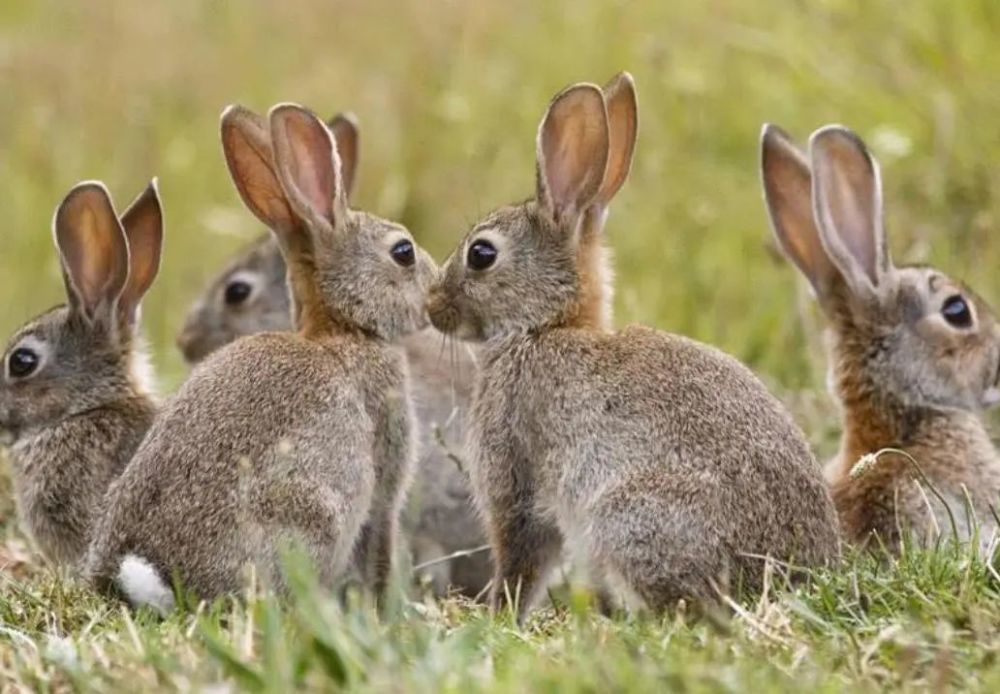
(22, 362)
(402, 253)
(956, 312)
(237, 292)
(482, 254)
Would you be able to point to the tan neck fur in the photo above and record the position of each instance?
(593, 306)
(311, 314)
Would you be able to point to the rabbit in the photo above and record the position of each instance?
(251, 296)
(665, 465)
(914, 354)
(280, 439)
(76, 395)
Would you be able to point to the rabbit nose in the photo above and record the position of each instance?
(435, 301)
(187, 342)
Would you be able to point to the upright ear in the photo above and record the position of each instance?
(344, 127)
(308, 166)
(143, 224)
(92, 250)
(246, 144)
(847, 203)
(787, 182)
(572, 152)
(623, 127)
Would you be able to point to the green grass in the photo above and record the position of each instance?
(930, 620)
(449, 95)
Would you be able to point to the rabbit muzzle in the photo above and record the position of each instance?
(448, 316)
(991, 393)
(8, 426)
(444, 315)
(193, 345)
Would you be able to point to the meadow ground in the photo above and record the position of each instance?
(448, 95)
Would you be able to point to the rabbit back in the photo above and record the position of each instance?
(268, 440)
(648, 444)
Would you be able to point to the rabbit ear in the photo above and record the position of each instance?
(246, 144)
(92, 250)
(788, 195)
(143, 224)
(344, 127)
(623, 126)
(308, 166)
(572, 151)
(847, 203)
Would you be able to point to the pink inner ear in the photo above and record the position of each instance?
(574, 149)
(97, 263)
(314, 162)
(92, 246)
(317, 185)
(850, 191)
(854, 207)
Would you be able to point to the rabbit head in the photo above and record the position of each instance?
(82, 355)
(251, 294)
(908, 336)
(542, 263)
(288, 172)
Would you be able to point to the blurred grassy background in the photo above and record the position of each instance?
(449, 95)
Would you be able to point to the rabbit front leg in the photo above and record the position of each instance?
(395, 458)
(525, 546)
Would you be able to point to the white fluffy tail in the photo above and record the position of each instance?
(141, 584)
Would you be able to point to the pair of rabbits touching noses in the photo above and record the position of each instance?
(661, 466)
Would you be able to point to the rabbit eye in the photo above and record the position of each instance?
(237, 292)
(402, 253)
(956, 312)
(22, 362)
(482, 254)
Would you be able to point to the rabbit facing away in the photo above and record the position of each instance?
(251, 296)
(75, 396)
(279, 438)
(663, 465)
(914, 354)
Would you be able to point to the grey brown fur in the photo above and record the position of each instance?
(440, 518)
(661, 464)
(284, 438)
(76, 420)
(906, 378)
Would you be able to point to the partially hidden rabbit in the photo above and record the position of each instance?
(76, 395)
(914, 354)
(662, 465)
(251, 296)
(282, 439)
